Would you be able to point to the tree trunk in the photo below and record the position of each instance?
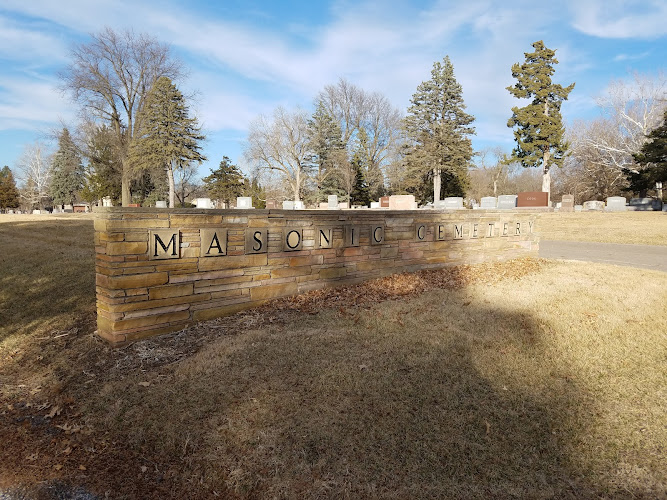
(495, 188)
(126, 197)
(546, 176)
(437, 183)
(170, 177)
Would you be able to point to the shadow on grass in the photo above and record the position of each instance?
(432, 396)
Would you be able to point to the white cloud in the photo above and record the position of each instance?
(30, 104)
(620, 18)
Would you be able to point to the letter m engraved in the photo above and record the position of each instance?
(164, 244)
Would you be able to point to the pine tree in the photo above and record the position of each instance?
(225, 183)
(360, 194)
(168, 138)
(653, 160)
(9, 194)
(67, 174)
(103, 176)
(539, 128)
(439, 130)
(328, 151)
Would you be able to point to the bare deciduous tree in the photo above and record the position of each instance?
(34, 166)
(281, 144)
(355, 109)
(632, 110)
(110, 77)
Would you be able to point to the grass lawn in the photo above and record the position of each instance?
(638, 228)
(528, 379)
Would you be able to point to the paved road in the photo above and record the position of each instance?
(644, 256)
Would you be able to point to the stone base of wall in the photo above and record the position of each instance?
(159, 270)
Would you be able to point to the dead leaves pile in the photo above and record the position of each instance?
(408, 284)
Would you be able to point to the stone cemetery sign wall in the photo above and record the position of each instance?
(159, 270)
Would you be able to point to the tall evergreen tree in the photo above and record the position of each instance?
(653, 160)
(439, 129)
(328, 152)
(168, 137)
(225, 183)
(103, 176)
(360, 193)
(9, 194)
(67, 173)
(538, 125)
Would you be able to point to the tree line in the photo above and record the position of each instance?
(138, 142)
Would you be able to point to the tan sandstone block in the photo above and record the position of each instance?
(127, 248)
(164, 292)
(286, 272)
(233, 262)
(333, 272)
(273, 291)
(150, 321)
(132, 281)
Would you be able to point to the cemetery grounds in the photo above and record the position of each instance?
(528, 378)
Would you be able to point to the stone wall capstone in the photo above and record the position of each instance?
(160, 270)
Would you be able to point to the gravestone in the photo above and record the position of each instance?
(506, 201)
(324, 205)
(160, 204)
(344, 204)
(578, 208)
(644, 204)
(244, 202)
(616, 204)
(106, 202)
(375, 204)
(567, 203)
(401, 202)
(272, 204)
(384, 202)
(299, 205)
(453, 203)
(532, 199)
(288, 205)
(332, 202)
(488, 202)
(68, 209)
(593, 205)
(204, 203)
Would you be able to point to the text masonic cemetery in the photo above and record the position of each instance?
(166, 243)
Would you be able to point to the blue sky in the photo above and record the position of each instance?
(247, 57)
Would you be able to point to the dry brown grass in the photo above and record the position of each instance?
(638, 228)
(526, 379)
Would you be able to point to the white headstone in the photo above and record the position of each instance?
(453, 203)
(488, 202)
(332, 202)
(507, 201)
(106, 202)
(288, 205)
(344, 204)
(204, 203)
(299, 205)
(375, 204)
(160, 204)
(401, 202)
(578, 208)
(244, 202)
(616, 204)
(594, 205)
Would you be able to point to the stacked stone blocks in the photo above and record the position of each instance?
(138, 296)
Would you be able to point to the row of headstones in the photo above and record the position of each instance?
(502, 202)
(613, 204)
